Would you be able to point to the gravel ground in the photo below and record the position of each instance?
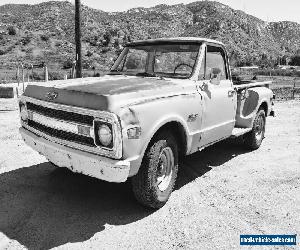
(222, 192)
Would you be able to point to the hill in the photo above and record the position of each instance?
(45, 32)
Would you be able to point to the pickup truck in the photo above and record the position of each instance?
(162, 99)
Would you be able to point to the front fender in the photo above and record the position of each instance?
(154, 115)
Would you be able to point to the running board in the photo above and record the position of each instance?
(240, 131)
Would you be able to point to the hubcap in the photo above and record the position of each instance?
(165, 168)
(259, 128)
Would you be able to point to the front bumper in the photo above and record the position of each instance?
(78, 161)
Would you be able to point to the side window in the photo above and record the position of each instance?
(215, 58)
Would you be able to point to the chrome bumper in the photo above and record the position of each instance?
(78, 161)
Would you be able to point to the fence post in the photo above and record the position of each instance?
(293, 91)
(18, 74)
(73, 70)
(28, 74)
(46, 73)
(32, 78)
(23, 77)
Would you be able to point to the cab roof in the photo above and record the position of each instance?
(176, 39)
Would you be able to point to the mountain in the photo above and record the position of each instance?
(45, 32)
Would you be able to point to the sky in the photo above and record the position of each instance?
(267, 10)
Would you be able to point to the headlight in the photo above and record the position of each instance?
(23, 113)
(105, 135)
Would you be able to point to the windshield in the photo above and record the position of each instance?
(162, 60)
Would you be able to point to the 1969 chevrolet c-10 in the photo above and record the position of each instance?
(163, 99)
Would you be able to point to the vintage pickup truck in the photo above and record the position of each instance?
(163, 99)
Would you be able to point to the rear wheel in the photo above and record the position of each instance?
(254, 138)
(154, 183)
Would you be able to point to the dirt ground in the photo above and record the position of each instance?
(222, 192)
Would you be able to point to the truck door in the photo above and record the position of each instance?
(218, 97)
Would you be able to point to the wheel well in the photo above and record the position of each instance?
(179, 133)
(264, 106)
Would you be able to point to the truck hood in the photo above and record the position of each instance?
(104, 93)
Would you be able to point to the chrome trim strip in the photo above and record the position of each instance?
(53, 123)
(115, 152)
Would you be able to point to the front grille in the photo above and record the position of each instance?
(66, 134)
(88, 141)
(61, 114)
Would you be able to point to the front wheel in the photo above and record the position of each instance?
(154, 183)
(254, 138)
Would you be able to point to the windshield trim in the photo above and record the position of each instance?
(132, 45)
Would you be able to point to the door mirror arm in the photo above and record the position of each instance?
(204, 86)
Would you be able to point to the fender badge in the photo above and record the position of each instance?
(51, 96)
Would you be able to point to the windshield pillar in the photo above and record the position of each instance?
(150, 62)
(201, 56)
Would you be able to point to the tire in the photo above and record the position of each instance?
(154, 183)
(254, 138)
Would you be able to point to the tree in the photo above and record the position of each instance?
(67, 64)
(107, 38)
(12, 31)
(295, 60)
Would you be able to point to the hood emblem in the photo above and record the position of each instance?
(51, 96)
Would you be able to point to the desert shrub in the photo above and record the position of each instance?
(87, 74)
(86, 64)
(105, 50)
(2, 52)
(58, 44)
(295, 60)
(12, 31)
(107, 38)
(25, 40)
(276, 72)
(68, 64)
(116, 43)
(37, 76)
(93, 41)
(45, 38)
(56, 75)
(89, 53)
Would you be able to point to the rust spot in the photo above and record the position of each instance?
(69, 156)
(101, 171)
(192, 117)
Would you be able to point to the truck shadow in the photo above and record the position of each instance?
(43, 206)
(197, 164)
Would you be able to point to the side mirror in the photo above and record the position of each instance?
(204, 86)
(215, 76)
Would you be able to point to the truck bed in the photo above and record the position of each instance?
(250, 83)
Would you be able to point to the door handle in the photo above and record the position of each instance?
(231, 93)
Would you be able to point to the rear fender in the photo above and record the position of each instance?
(248, 103)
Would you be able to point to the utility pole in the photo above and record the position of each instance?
(78, 38)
